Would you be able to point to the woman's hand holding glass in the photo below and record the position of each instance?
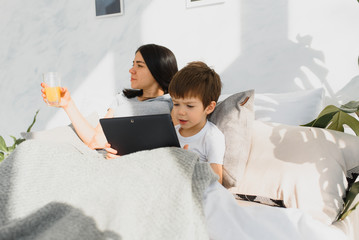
(64, 95)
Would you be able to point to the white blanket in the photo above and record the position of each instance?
(227, 220)
(57, 191)
(62, 191)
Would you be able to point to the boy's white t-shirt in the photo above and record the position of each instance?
(208, 143)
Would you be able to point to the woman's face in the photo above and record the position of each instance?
(141, 77)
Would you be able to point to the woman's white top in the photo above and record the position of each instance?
(125, 107)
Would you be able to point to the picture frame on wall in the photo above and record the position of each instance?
(199, 3)
(108, 8)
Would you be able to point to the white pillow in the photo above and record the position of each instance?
(62, 134)
(292, 108)
(304, 167)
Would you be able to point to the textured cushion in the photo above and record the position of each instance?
(304, 167)
(234, 117)
(293, 108)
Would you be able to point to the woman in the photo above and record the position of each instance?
(151, 73)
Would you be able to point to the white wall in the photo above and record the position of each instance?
(272, 46)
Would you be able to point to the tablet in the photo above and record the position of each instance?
(137, 133)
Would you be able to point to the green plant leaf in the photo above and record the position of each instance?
(14, 144)
(310, 124)
(352, 193)
(350, 107)
(19, 140)
(324, 117)
(346, 213)
(5, 150)
(340, 119)
(33, 122)
(3, 146)
(354, 190)
(11, 148)
(332, 117)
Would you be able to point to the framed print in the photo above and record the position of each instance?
(198, 3)
(109, 8)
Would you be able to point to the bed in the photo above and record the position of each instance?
(281, 181)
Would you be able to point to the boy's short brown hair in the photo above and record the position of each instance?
(196, 80)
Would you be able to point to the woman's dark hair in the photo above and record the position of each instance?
(162, 64)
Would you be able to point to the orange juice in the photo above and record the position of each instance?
(53, 95)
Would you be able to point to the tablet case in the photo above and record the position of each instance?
(137, 133)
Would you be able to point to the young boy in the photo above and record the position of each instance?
(195, 90)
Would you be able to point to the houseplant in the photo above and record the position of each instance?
(332, 117)
(6, 150)
(335, 118)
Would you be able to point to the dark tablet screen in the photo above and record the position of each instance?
(137, 133)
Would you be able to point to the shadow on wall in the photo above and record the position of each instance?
(348, 91)
(268, 54)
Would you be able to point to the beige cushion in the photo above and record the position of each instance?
(304, 167)
(234, 117)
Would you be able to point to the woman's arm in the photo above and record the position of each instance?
(82, 127)
(99, 140)
(217, 168)
(91, 136)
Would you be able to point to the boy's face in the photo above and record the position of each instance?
(190, 114)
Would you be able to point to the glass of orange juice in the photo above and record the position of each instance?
(52, 89)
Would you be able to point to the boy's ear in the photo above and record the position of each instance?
(210, 108)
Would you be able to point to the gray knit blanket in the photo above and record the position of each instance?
(60, 191)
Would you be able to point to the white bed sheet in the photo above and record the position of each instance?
(226, 219)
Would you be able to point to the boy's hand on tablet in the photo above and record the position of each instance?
(111, 153)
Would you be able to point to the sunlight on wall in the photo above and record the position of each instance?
(195, 33)
(94, 94)
(298, 81)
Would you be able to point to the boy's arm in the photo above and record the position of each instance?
(217, 168)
